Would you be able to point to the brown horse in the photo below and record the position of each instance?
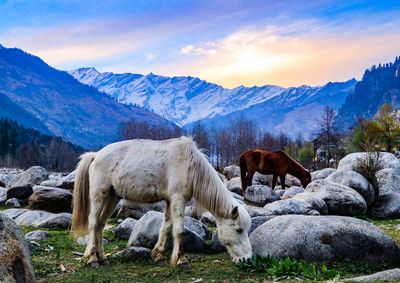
(277, 163)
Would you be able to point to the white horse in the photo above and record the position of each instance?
(147, 171)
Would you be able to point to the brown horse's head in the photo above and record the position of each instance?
(306, 179)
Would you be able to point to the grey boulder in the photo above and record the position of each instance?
(386, 275)
(124, 229)
(314, 200)
(289, 206)
(322, 174)
(235, 185)
(260, 195)
(386, 207)
(13, 202)
(355, 181)
(15, 260)
(134, 252)
(37, 235)
(136, 210)
(322, 238)
(33, 176)
(340, 199)
(388, 181)
(292, 191)
(67, 182)
(146, 230)
(231, 171)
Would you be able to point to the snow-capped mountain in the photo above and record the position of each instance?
(179, 99)
(185, 100)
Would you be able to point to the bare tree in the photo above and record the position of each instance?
(326, 133)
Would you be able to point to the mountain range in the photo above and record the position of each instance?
(185, 100)
(53, 102)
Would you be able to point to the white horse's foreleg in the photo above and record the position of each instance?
(177, 213)
(165, 231)
(107, 211)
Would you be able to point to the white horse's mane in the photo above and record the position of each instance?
(208, 189)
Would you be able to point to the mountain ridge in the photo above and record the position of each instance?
(185, 100)
(67, 108)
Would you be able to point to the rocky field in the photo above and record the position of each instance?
(340, 220)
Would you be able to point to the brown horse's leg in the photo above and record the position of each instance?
(273, 181)
(249, 179)
(282, 178)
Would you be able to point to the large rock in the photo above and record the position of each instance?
(198, 227)
(386, 275)
(124, 229)
(388, 181)
(208, 219)
(3, 195)
(49, 183)
(83, 240)
(340, 199)
(322, 174)
(255, 211)
(145, 234)
(289, 206)
(67, 182)
(386, 207)
(349, 162)
(258, 221)
(20, 192)
(260, 195)
(134, 252)
(8, 174)
(322, 238)
(231, 171)
(355, 181)
(13, 202)
(37, 235)
(216, 244)
(38, 218)
(314, 200)
(15, 259)
(235, 185)
(33, 176)
(60, 220)
(136, 211)
(291, 181)
(292, 191)
(262, 179)
(51, 199)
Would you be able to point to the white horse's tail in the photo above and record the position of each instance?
(81, 202)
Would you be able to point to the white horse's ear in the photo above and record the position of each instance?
(235, 212)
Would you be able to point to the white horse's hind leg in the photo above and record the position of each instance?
(177, 213)
(165, 230)
(108, 209)
(96, 206)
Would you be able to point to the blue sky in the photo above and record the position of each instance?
(231, 43)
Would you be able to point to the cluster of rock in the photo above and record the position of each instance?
(309, 223)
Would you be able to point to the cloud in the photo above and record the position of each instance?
(289, 56)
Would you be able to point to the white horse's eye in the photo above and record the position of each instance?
(240, 230)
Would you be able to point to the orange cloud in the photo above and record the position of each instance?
(258, 57)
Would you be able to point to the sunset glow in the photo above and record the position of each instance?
(229, 43)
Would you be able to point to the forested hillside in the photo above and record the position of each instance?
(380, 84)
(23, 147)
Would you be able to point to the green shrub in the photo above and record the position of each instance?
(287, 268)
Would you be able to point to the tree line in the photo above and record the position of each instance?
(324, 148)
(23, 148)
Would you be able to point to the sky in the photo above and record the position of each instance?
(231, 43)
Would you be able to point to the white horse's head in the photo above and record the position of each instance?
(232, 232)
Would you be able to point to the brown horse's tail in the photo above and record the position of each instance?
(81, 202)
(243, 171)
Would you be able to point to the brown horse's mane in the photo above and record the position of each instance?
(299, 166)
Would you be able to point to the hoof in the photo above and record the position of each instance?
(94, 264)
(184, 266)
(162, 263)
(104, 262)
